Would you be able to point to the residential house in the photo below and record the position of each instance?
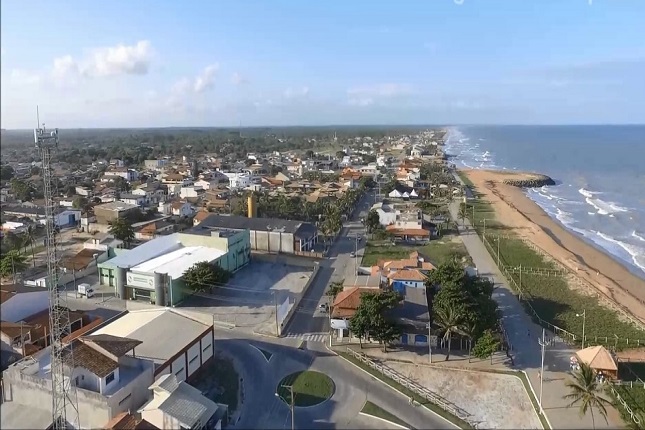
(108, 382)
(153, 229)
(191, 191)
(122, 172)
(107, 212)
(153, 193)
(133, 199)
(177, 405)
(155, 165)
(238, 180)
(344, 307)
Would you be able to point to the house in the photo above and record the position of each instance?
(108, 382)
(401, 279)
(413, 315)
(154, 229)
(238, 180)
(177, 405)
(267, 234)
(417, 235)
(153, 192)
(107, 212)
(398, 215)
(180, 209)
(344, 307)
(121, 172)
(133, 199)
(155, 165)
(128, 421)
(191, 191)
(18, 302)
(200, 216)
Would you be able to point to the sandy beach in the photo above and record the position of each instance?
(514, 209)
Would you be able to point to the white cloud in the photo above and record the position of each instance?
(119, 60)
(206, 78)
(24, 77)
(291, 93)
(380, 90)
(237, 79)
(64, 68)
(361, 101)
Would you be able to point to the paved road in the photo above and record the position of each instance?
(308, 320)
(262, 409)
(523, 335)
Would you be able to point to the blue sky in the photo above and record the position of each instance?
(215, 63)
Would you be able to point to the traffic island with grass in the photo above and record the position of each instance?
(376, 411)
(309, 388)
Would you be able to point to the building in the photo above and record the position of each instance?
(177, 405)
(108, 378)
(178, 343)
(399, 216)
(153, 192)
(18, 302)
(238, 180)
(132, 199)
(344, 307)
(191, 191)
(107, 212)
(154, 270)
(266, 234)
(155, 164)
(413, 315)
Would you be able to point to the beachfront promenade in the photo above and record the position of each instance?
(523, 334)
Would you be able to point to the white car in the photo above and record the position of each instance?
(352, 254)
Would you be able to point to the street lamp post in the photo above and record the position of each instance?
(542, 343)
(429, 345)
(584, 320)
(291, 404)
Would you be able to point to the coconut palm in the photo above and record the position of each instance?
(586, 392)
(449, 319)
(469, 329)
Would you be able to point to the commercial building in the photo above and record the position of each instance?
(266, 234)
(177, 342)
(154, 270)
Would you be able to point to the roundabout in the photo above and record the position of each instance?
(309, 388)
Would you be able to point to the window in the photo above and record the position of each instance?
(125, 399)
(206, 348)
(109, 378)
(193, 359)
(179, 371)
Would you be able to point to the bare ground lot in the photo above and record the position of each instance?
(248, 301)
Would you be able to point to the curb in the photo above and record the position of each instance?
(384, 420)
(261, 353)
(536, 399)
(391, 387)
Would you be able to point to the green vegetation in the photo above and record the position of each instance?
(121, 228)
(407, 392)
(371, 318)
(203, 276)
(219, 382)
(437, 251)
(334, 289)
(587, 393)
(635, 399)
(309, 388)
(550, 296)
(376, 411)
(486, 346)
(12, 262)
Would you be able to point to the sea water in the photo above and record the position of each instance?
(600, 172)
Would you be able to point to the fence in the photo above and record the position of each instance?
(635, 418)
(563, 270)
(414, 387)
(525, 296)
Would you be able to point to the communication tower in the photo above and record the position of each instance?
(64, 401)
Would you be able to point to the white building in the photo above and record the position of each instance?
(17, 302)
(238, 180)
(190, 191)
(400, 218)
(108, 381)
(178, 342)
(155, 164)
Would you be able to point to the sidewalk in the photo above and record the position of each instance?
(523, 335)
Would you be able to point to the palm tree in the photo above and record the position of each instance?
(449, 319)
(587, 392)
(469, 329)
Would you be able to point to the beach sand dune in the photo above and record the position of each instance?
(514, 209)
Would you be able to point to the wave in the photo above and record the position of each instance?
(638, 236)
(602, 207)
(636, 253)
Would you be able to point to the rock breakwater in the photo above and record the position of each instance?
(536, 181)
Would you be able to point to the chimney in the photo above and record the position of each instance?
(252, 207)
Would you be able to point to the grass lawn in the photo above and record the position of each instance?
(437, 251)
(635, 399)
(219, 382)
(550, 296)
(309, 388)
(436, 409)
(377, 411)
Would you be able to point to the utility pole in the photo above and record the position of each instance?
(584, 320)
(542, 343)
(429, 344)
(291, 404)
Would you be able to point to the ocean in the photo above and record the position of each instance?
(600, 172)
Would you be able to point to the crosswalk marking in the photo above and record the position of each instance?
(311, 337)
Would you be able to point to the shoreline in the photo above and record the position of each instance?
(513, 208)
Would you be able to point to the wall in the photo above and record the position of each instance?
(105, 387)
(178, 367)
(22, 305)
(299, 297)
(194, 361)
(206, 344)
(86, 379)
(272, 241)
(289, 260)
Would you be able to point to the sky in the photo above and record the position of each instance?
(161, 63)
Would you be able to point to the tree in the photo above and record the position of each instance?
(334, 289)
(372, 221)
(79, 202)
(30, 236)
(21, 189)
(340, 154)
(486, 346)
(309, 154)
(449, 319)
(463, 213)
(6, 172)
(121, 228)
(204, 276)
(586, 391)
(371, 317)
(12, 262)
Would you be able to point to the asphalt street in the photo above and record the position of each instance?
(353, 387)
(337, 267)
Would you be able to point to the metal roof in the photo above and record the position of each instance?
(175, 263)
(298, 228)
(147, 251)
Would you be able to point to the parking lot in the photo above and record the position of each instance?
(250, 298)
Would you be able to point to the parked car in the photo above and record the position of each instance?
(352, 254)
